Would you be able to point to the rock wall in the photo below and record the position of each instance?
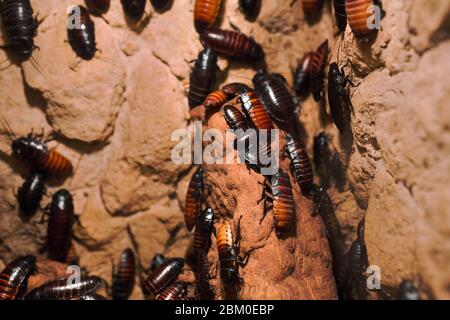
(113, 117)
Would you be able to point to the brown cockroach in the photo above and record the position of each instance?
(234, 118)
(14, 275)
(203, 230)
(250, 8)
(215, 99)
(255, 110)
(30, 193)
(204, 290)
(232, 44)
(194, 199)
(62, 289)
(134, 8)
(358, 15)
(278, 190)
(203, 77)
(82, 39)
(163, 276)
(302, 75)
(317, 70)
(234, 88)
(340, 14)
(206, 13)
(176, 291)
(123, 280)
(301, 165)
(98, 6)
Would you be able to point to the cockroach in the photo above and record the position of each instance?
(98, 6)
(338, 97)
(19, 25)
(203, 229)
(93, 296)
(215, 99)
(123, 279)
(30, 193)
(324, 207)
(278, 190)
(203, 77)
(234, 88)
(161, 5)
(275, 97)
(158, 260)
(250, 8)
(175, 291)
(301, 165)
(14, 276)
(134, 8)
(206, 13)
(63, 289)
(203, 288)
(317, 70)
(340, 14)
(255, 110)
(358, 260)
(82, 38)
(358, 15)
(234, 118)
(232, 44)
(322, 157)
(59, 231)
(229, 257)
(163, 276)
(407, 291)
(302, 75)
(194, 199)
(311, 7)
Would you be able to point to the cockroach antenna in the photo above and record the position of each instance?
(11, 134)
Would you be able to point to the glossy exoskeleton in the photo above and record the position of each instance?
(98, 6)
(301, 165)
(255, 110)
(161, 5)
(203, 77)
(277, 189)
(82, 39)
(203, 230)
(14, 276)
(134, 8)
(163, 276)
(206, 13)
(229, 257)
(250, 8)
(203, 289)
(63, 289)
(358, 15)
(407, 291)
(215, 99)
(302, 75)
(234, 88)
(19, 26)
(340, 14)
(123, 279)
(317, 70)
(338, 97)
(59, 231)
(322, 158)
(194, 199)
(30, 193)
(158, 260)
(176, 291)
(233, 44)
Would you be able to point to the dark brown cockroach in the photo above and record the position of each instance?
(338, 97)
(203, 230)
(158, 260)
(34, 150)
(358, 15)
(317, 70)
(14, 276)
(19, 25)
(234, 118)
(301, 165)
(134, 8)
(278, 190)
(206, 13)
(123, 279)
(232, 44)
(302, 75)
(98, 6)
(357, 261)
(175, 291)
(203, 289)
(322, 157)
(407, 291)
(161, 5)
(275, 97)
(203, 77)
(93, 296)
(30, 193)
(61, 219)
(234, 88)
(163, 276)
(62, 289)
(215, 99)
(340, 14)
(229, 257)
(250, 8)
(194, 199)
(82, 39)
(255, 110)
(311, 7)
